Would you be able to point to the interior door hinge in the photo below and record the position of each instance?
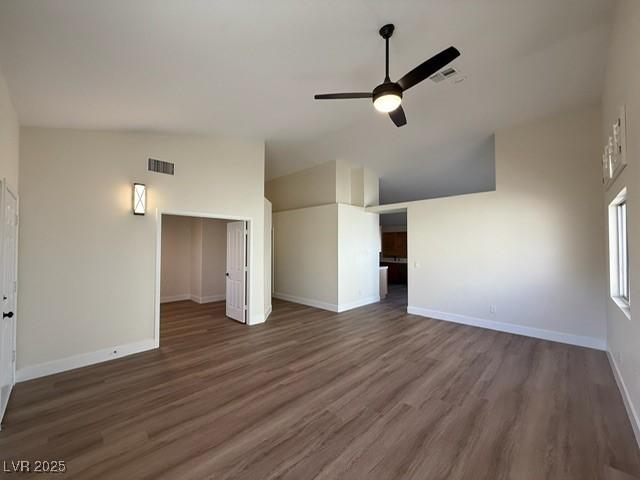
(13, 356)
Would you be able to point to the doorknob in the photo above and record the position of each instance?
(7, 315)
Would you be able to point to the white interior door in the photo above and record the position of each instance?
(237, 271)
(8, 285)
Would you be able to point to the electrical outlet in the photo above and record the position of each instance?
(492, 309)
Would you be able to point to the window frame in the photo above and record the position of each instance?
(619, 252)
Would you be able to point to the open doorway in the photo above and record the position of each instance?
(203, 271)
(393, 258)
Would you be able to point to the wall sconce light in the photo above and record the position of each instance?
(139, 198)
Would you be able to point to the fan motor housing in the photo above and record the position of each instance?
(387, 88)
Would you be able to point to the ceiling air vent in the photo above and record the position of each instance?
(443, 75)
(160, 166)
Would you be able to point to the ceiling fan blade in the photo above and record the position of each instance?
(398, 117)
(340, 96)
(428, 68)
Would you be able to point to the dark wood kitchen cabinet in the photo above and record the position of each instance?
(394, 244)
(397, 272)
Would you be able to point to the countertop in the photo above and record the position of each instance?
(393, 260)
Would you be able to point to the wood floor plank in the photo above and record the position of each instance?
(371, 393)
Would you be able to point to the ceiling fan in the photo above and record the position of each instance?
(387, 96)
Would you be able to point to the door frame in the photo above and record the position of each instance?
(382, 210)
(186, 213)
(4, 186)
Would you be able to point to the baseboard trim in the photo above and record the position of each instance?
(268, 312)
(552, 335)
(194, 298)
(82, 360)
(176, 298)
(343, 307)
(208, 299)
(626, 398)
(332, 307)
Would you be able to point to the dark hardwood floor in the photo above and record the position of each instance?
(372, 393)
(397, 297)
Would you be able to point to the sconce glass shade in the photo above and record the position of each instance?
(139, 199)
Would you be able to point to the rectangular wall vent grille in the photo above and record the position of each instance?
(160, 166)
(443, 75)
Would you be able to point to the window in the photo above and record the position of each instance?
(623, 257)
(619, 252)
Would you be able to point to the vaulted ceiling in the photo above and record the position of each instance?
(250, 68)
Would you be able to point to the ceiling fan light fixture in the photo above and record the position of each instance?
(387, 97)
(387, 102)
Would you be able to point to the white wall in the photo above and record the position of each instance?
(306, 255)
(533, 248)
(268, 225)
(622, 88)
(9, 137)
(358, 257)
(175, 281)
(87, 265)
(327, 256)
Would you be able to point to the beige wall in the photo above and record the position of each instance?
(87, 265)
(364, 188)
(175, 281)
(344, 183)
(356, 187)
(214, 260)
(332, 182)
(9, 137)
(306, 255)
(194, 257)
(533, 248)
(371, 187)
(306, 188)
(623, 88)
